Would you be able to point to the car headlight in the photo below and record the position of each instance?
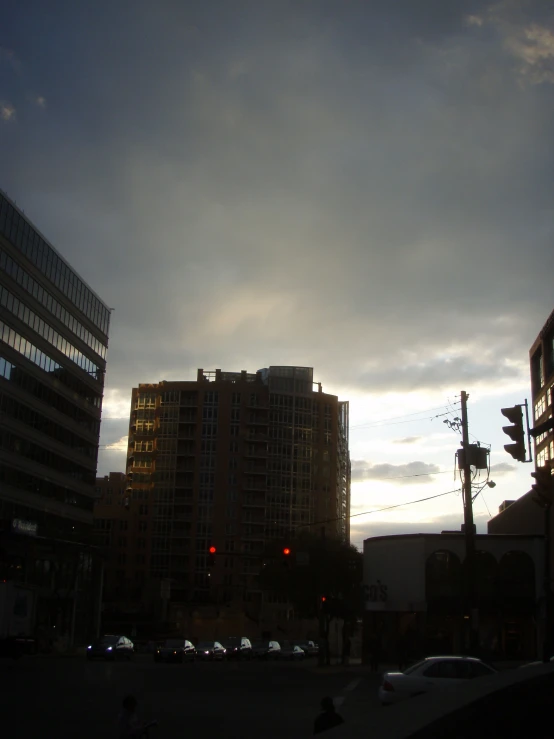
(109, 649)
(89, 646)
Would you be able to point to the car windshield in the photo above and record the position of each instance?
(106, 640)
(173, 643)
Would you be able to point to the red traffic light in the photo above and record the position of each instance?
(286, 551)
(323, 598)
(212, 550)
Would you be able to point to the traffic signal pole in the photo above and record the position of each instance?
(469, 531)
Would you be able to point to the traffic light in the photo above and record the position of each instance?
(515, 432)
(543, 487)
(286, 556)
(211, 556)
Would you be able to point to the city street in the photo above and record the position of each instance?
(70, 697)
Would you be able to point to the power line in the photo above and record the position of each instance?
(378, 510)
(404, 415)
(403, 477)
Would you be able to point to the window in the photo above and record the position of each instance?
(235, 415)
(123, 525)
(143, 525)
(234, 447)
(235, 400)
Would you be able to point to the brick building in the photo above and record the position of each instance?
(232, 460)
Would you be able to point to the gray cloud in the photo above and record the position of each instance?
(502, 468)
(288, 192)
(401, 474)
(407, 440)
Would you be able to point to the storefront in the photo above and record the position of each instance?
(416, 604)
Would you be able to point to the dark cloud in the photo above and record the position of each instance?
(401, 474)
(407, 440)
(365, 187)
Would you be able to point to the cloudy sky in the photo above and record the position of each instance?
(360, 186)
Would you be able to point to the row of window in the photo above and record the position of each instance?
(19, 275)
(24, 237)
(16, 445)
(39, 486)
(44, 330)
(19, 412)
(28, 383)
(37, 356)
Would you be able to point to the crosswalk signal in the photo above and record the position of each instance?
(515, 432)
(211, 556)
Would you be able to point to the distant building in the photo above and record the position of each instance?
(415, 595)
(232, 460)
(53, 345)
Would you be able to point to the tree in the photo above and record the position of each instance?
(321, 578)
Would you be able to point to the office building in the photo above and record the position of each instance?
(53, 344)
(232, 460)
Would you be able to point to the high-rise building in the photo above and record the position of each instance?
(53, 344)
(231, 460)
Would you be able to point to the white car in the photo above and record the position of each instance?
(431, 673)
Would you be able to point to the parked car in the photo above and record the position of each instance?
(292, 652)
(238, 647)
(175, 650)
(210, 650)
(267, 650)
(311, 649)
(111, 647)
(429, 674)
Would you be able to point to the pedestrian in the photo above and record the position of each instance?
(328, 717)
(129, 724)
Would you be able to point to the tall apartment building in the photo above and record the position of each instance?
(53, 344)
(232, 460)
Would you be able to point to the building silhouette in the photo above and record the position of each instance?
(53, 345)
(231, 460)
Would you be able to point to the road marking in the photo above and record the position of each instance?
(339, 700)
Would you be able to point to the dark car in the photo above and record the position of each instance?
(175, 650)
(310, 648)
(111, 647)
(291, 652)
(210, 650)
(238, 647)
(267, 650)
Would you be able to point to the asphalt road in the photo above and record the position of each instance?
(74, 699)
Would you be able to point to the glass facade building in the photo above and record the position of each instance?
(53, 346)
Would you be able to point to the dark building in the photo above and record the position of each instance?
(525, 515)
(53, 344)
(232, 460)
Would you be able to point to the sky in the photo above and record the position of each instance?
(360, 186)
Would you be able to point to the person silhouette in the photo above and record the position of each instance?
(328, 716)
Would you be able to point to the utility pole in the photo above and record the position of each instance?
(469, 530)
